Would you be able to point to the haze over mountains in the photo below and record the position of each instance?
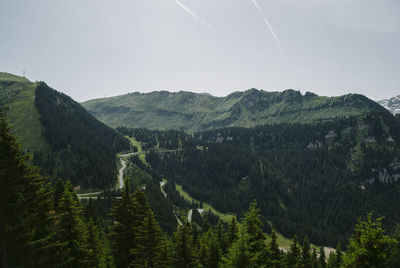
(197, 112)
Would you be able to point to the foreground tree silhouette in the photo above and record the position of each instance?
(26, 221)
(369, 246)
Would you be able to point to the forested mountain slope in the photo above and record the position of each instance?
(193, 112)
(313, 179)
(66, 141)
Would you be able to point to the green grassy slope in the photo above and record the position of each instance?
(17, 98)
(196, 112)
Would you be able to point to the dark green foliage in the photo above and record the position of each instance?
(197, 112)
(322, 257)
(184, 255)
(369, 246)
(309, 179)
(83, 149)
(275, 253)
(72, 234)
(305, 257)
(294, 253)
(26, 220)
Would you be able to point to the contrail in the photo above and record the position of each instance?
(194, 15)
(267, 23)
(15, 23)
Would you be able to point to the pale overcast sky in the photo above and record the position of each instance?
(95, 48)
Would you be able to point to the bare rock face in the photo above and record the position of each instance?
(392, 104)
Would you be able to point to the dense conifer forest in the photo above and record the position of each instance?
(43, 226)
(83, 149)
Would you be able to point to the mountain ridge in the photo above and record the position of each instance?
(193, 112)
(391, 104)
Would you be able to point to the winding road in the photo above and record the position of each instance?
(121, 170)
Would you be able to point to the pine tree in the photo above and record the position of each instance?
(232, 231)
(238, 255)
(124, 231)
(305, 258)
(322, 257)
(184, 255)
(26, 220)
(369, 246)
(255, 237)
(58, 192)
(293, 256)
(149, 243)
(274, 252)
(71, 232)
(222, 243)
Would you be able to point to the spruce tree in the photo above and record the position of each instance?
(71, 232)
(238, 255)
(26, 220)
(294, 253)
(322, 257)
(184, 255)
(305, 258)
(274, 252)
(221, 237)
(149, 243)
(232, 231)
(124, 231)
(369, 246)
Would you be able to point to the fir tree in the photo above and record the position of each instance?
(232, 231)
(294, 253)
(369, 246)
(274, 252)
(305, 258)
(26, 220)
(322, 257)
(124, 231)
(71, 231)
(149, 243)
(184, 255)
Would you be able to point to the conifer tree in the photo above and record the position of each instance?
(274, 251)
(58, 192)
(71, 231)
(238, 255)
(124, 231)
(26, 220)
(149, 243)
(255, 237)
(184, 255)
(222, 243)
(369, 246)
(294, 253)
(305, 259)
(322, 257)
(232, 231)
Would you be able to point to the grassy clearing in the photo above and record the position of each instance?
(138, 144)
(11, 77)
(23, 115)
(224, 216)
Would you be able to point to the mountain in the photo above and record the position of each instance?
(65, 140)
(193, 112)
(392, 104)
(307, 179)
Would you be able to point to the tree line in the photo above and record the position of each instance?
(42, 226)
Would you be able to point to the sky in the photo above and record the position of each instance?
(100, 48)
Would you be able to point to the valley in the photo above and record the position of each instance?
(307, 166)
